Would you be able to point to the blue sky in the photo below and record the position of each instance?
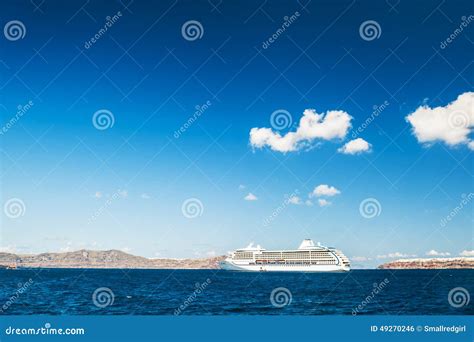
(124, 186)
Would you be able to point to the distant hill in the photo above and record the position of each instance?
(103, 259)
(433, 263)
(118, 259)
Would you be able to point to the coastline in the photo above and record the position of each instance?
(110, 259)
(430, 263)
(115, 259)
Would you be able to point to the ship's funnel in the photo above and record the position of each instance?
(307, 244)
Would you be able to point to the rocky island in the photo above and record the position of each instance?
(118, 259)
(432, 263)
(102, 259)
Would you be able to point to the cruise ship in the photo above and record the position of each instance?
(309, 257)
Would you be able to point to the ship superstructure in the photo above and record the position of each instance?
(309, 257)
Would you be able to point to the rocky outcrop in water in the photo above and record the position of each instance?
(103, 259)
(434, 263)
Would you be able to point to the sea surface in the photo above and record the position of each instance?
(217, 292)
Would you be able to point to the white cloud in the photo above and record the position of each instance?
(395, 255)
(67, 248)
(211, 254)
(355, 146)
(467, 253)
(360, 258)
(123, 193)
(8, 249)
(451, 124)
(324, 190)
(145, 196)
(294, 200)
(323, 203)
(436, 253)
(241, 187)
(98, 194)
(250, 197)
(261, 137)
(326, 126)
(308, 203)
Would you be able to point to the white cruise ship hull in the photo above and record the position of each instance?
(307, 258)
(230, 265)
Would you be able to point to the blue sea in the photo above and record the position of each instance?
(217, 292)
